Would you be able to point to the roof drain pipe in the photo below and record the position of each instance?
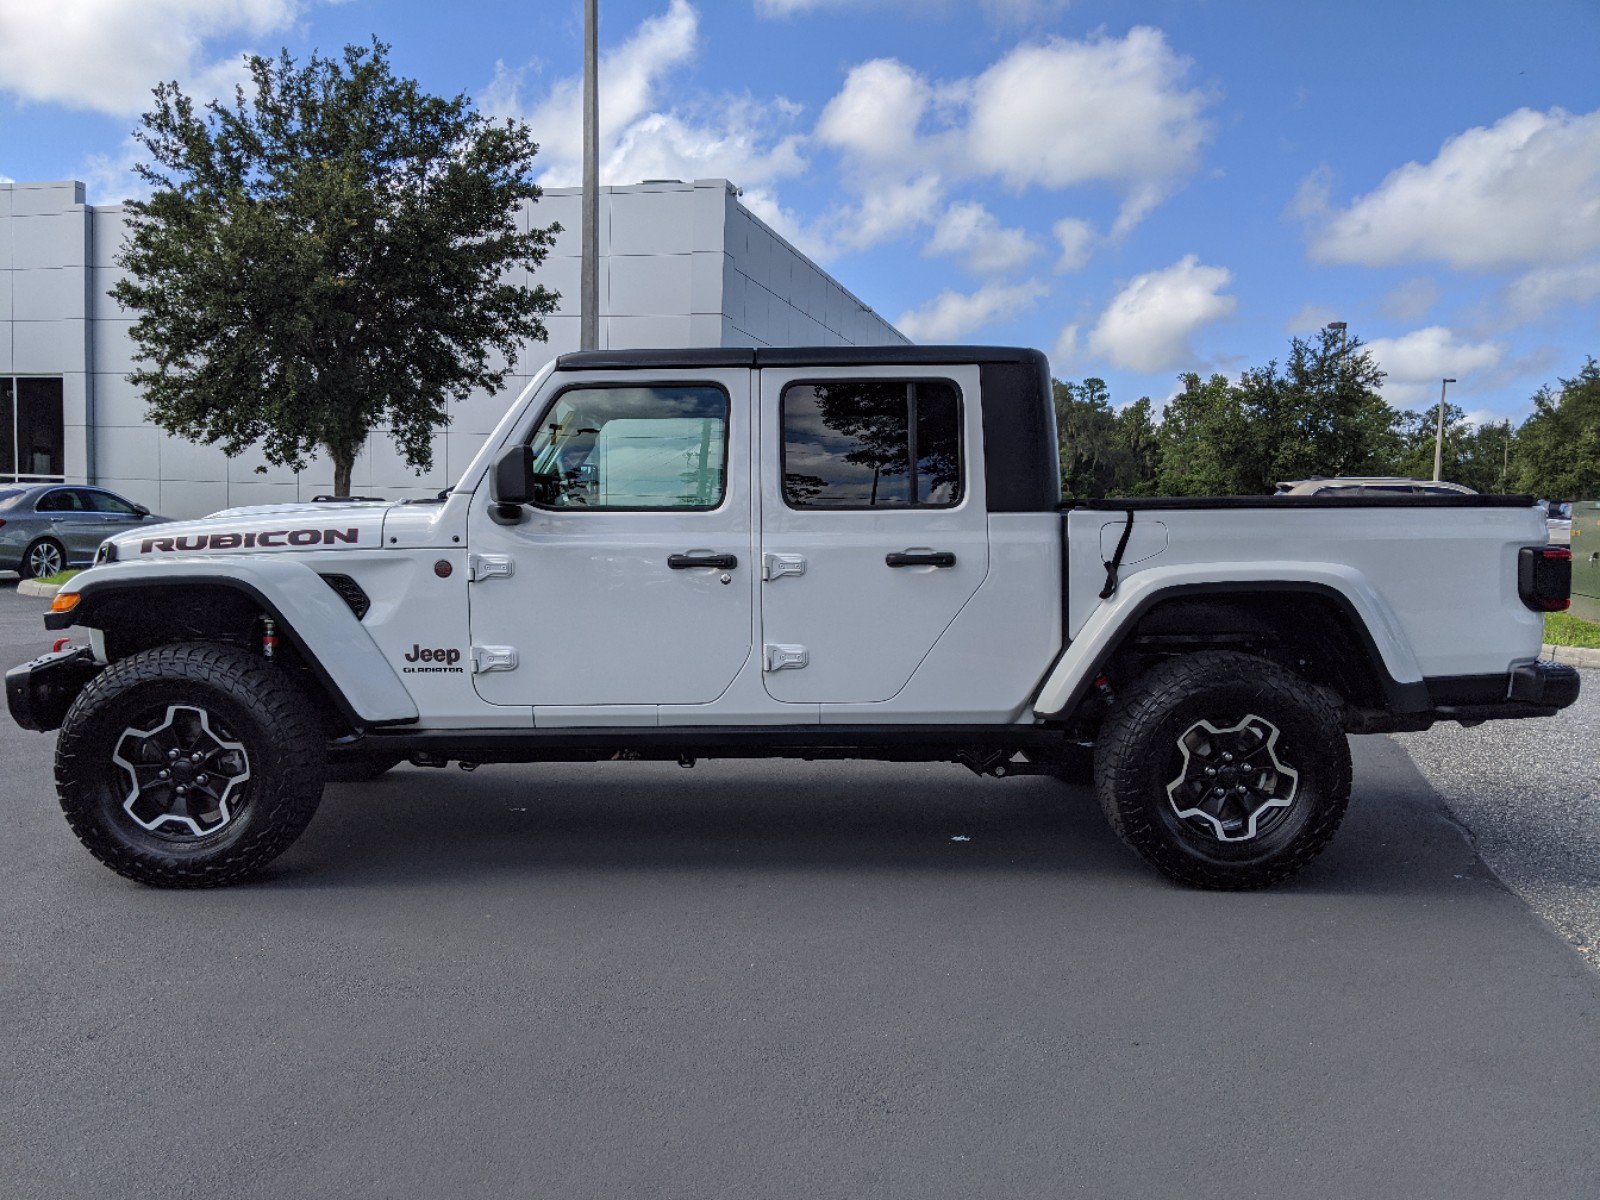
(1116, 560)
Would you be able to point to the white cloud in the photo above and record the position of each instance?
(874, 116)
(1010, 12)
(1310, 318)
(1062, 113)
(1537, 292)
(1076, 239)
(970, 232)
(1051, 114)
(1147, 325)
(1410, 300)
(887, 212)
(640, 137)
(1524, 191)
(107, 55)
(1416, 362)
(951, 314)
(1065, 356)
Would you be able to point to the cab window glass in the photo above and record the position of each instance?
(105, 502)
(872, 444)
(60, 500)
(662, 447)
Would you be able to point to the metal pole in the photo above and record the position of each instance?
(589, 298)
(1438, 436)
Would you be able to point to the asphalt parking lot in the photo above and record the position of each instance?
(775, 979)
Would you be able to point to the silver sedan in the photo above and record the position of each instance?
(48, 527)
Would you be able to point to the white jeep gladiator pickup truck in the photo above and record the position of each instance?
(816, 553)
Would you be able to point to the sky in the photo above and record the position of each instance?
(1139, 188)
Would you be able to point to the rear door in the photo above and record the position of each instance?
(873, 525)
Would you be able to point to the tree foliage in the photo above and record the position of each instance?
(1557, 450)
(333, 251)
(1319, 413)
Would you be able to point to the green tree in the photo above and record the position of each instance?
(1321, 414)
(1084, 423)
(1207, 444)
(334, 251)
(1556, 454)
(1136, 442)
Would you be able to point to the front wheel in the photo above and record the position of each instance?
(190, 765)
(44, 558)
(1223, 770)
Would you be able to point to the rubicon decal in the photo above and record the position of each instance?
(444, 657)
(271, 539)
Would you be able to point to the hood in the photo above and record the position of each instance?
(267, 529)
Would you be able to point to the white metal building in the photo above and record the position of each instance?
(682, 264)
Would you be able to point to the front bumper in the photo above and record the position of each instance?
(38, 693)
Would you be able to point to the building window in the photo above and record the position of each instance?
(32, 440)
(855, 443)
(633, 448)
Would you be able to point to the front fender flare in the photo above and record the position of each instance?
(1087, 655)
(332, 642)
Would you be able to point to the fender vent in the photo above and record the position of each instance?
(350, 592)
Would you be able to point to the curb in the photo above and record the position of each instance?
(32, 587)
(1578, 656)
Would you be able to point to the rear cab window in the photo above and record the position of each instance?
(872, 444)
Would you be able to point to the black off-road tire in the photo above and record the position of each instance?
(1137, 756)
(362, 770)
(261, 708)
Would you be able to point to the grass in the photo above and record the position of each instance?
(1564, 629)
(58, 577)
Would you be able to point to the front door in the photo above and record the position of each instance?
(873, 526)
(631, 582)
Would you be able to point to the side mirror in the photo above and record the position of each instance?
(140, 511)
(511, 480)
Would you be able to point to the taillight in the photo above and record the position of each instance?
(2, 524)
(1544, 577)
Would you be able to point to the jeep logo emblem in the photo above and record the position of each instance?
(445, 659)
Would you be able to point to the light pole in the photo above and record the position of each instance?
(1438, 435)
(589, 285)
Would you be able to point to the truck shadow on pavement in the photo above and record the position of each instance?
(417, 826)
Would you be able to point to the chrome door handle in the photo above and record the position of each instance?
(921, 558)
(717, 562)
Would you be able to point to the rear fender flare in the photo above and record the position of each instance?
(1374, 623)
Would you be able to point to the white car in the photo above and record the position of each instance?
(1371, 485)
(812, 553)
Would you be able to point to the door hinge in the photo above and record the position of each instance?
(775, 566)
(490, 566)
(786, 658)
(493, 658)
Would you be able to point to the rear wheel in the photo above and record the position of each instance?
(42, 559)
(1223, 770)
(190, 765)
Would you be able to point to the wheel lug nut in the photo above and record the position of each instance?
(172, 754)
(196, 756)
(1222, 791)
(1211, 770)
(201, 778)
(165, 773)
(182, 790)
(1226, 756)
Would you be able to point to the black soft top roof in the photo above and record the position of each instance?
(793, 356)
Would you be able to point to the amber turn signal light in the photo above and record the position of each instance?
(64, 602)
